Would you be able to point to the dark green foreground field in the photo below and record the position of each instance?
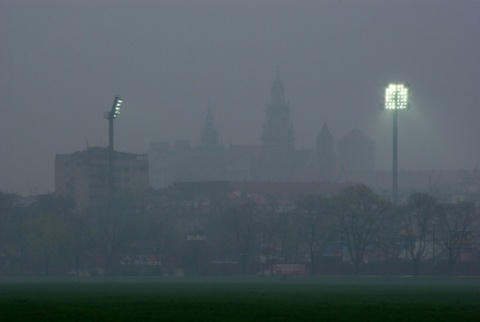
(252, 299)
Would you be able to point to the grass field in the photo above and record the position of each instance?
(235, 299)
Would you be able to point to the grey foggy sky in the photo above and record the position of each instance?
(62, 62)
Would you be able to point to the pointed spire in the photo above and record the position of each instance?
(325, 140)
(209, 117)
(278, 129)
(209, 134)
(278, 91)
(325, 132)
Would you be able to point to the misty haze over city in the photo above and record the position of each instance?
(62, 63)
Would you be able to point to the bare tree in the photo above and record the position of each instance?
(46, 236)
(387, 241)
(417, 222)
(78, 240)
(276, 231)
(162, 231)
(242, 225)
(109, 231)
(313, 212)
(362, 215)
(47, 230)
(10, 235)
(455, 222)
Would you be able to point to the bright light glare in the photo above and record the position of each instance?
(115, 111)
(118, 104)
(396, 97)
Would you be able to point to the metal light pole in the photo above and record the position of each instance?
(110, 116)
(396, 98)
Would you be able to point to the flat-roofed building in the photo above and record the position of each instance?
(83, 175)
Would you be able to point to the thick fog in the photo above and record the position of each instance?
(62, 63)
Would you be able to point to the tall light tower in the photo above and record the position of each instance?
(396, 98)
(110, 116)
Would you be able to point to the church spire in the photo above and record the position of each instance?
(278, 91)
(325, 140)
(209, 133)
(278, 130)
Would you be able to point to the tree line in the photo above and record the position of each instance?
(177, 233)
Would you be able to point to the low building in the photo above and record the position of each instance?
(83, 175)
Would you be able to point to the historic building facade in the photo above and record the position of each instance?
(274, 160)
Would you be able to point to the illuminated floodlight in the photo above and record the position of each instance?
(111, 116)
(396, 97)
(115, 112)
(117, 104)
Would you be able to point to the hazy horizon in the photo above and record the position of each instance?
(62, 63)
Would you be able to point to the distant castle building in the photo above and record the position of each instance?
(275, 159)
(274, 162)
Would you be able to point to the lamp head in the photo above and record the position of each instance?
(396, 97)
(115, 112)
(117, 103)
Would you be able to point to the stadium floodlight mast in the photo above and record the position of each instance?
(111, 116)
(396, 98)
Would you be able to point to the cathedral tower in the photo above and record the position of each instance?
(325, 141)
(277, 153)
(208, 162)
(209, 134)
(278, 130)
